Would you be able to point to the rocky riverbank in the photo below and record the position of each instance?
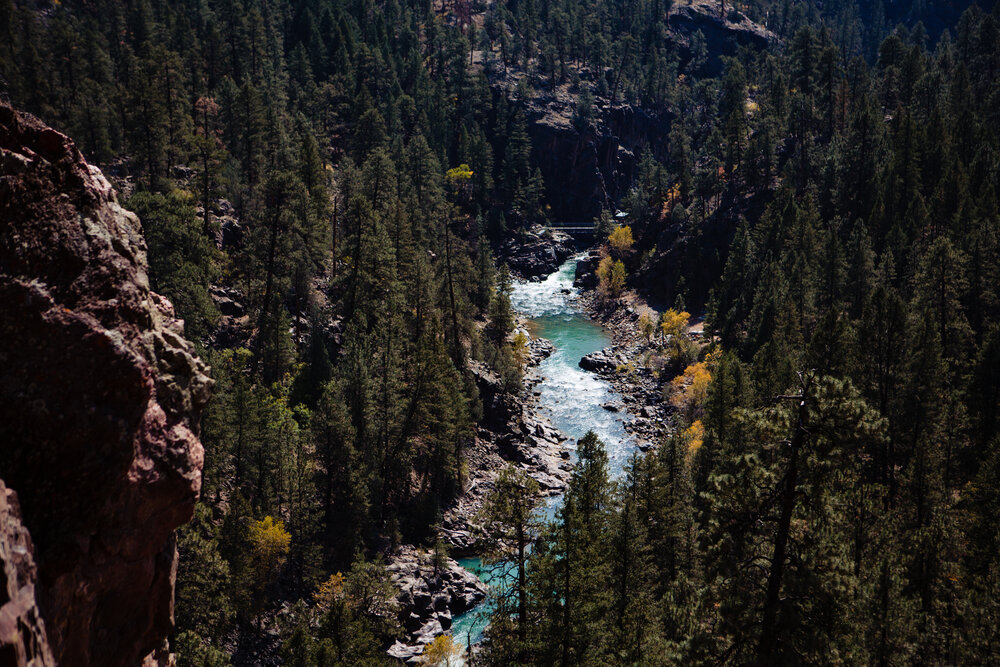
(512, 432)
(430, 596)
(632, 365)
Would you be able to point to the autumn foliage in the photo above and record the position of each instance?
(621, 241)
(689, 390)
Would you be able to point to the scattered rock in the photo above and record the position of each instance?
(226, 299)
(405, 652)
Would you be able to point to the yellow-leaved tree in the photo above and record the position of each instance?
(689, 390)
(329, 592)
(694, 436)
(460, 173)
(674, 323)
(459, 180)
(647, 323)
(269, 542)
(603, 272)
(616, 284)
(442, 652)
(520, 347)
(621, 241)
(674, 327)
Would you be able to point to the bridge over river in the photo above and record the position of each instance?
(576, 229)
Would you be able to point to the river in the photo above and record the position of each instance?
(570, 397)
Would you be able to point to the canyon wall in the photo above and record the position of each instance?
(587, 167)
(100, 397)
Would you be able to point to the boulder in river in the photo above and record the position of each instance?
(537, 253)
(599, 362)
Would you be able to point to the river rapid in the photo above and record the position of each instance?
(569, 396)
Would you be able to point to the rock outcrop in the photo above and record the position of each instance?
(23, 640)
(590, 167)
(591, 164)
(100, 396)
(723, 33)
(586, 270)
(430, 598)
(537, 253)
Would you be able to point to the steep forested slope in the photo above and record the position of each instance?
(828, 492)
(321, 184)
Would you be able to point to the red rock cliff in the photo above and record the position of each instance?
(100, 396)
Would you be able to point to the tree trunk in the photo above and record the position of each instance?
(568, 597)
(769, 636)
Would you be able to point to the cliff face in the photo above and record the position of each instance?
(587, 168)
(100, 396)
(22, 632)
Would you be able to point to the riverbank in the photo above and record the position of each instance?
(513, 430)
(633, 365)
(431, 595)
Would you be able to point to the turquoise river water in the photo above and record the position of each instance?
(570, 397)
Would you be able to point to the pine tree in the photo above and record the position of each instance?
(512, 526)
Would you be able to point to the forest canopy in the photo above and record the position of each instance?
(327, 190)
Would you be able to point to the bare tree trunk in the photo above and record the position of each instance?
(768, 635)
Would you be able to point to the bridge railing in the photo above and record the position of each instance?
(572, 228)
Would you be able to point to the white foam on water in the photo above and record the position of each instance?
(570, 397)
(552, 296)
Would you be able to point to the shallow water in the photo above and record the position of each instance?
(570, 397)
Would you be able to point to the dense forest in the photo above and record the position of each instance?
(324, 186)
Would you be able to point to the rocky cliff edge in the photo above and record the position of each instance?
(100, 396)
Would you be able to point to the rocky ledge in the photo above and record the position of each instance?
(536, 253)
(100, 396)
(430, 597)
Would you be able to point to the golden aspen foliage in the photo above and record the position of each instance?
(616, 284)
(694, 436)
(330, 590)
(647, 323)
(460, 173)
(673, 327)
(690, 389)
(611, 277)
(603, 270)
(442, 652)
(673, 323)
(620, 239)
(520, 348)
(269, 543)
